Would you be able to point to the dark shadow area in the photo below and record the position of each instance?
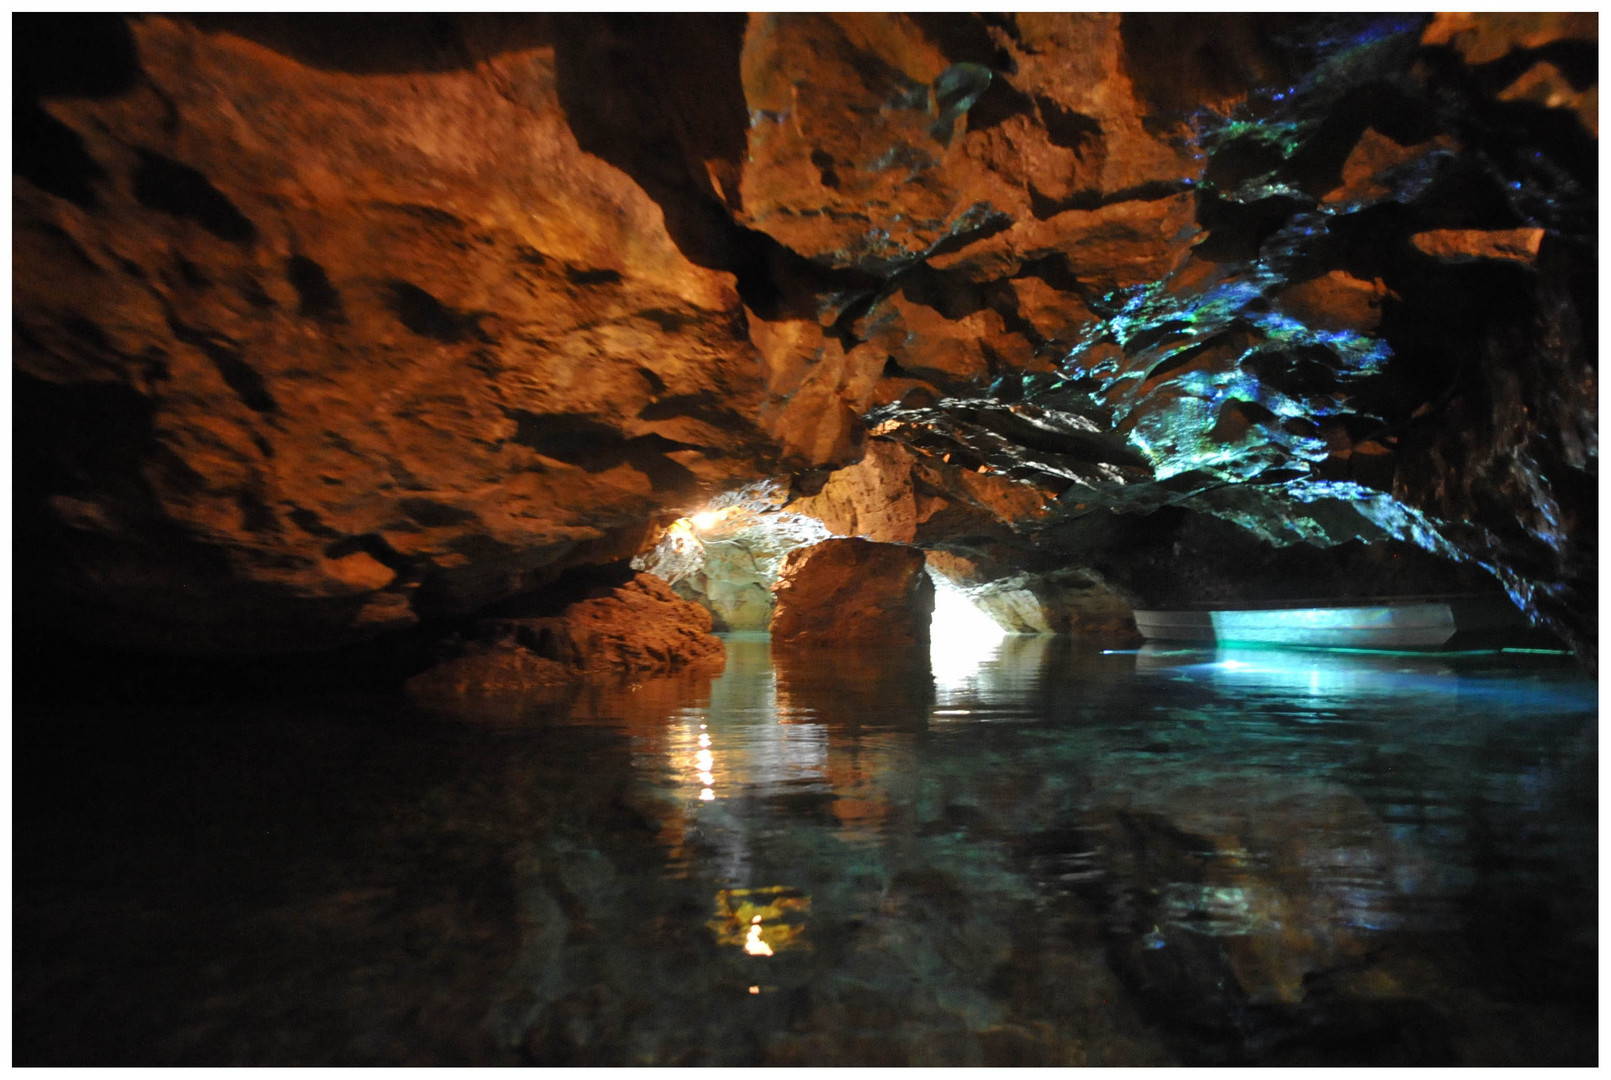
(58, 55)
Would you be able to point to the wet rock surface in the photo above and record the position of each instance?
(330, 328)
(640, 628)
(852, 590)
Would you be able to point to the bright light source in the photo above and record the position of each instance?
(961, 637)
(705, 519)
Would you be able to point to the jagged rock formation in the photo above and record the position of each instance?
(307, 354)
(325, 328)
(727, 559)
(850, 591)
(640, 628)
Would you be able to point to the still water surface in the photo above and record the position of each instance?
(1020, 854)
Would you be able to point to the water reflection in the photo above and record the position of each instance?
(835, 857)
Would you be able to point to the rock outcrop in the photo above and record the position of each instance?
(1077, 601)
(640, 628)
(850, 591)
(727, 558)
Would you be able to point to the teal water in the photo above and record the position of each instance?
(1018, 854)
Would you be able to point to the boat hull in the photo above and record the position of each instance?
(1430, 625)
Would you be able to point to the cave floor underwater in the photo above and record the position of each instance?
(1018, 854)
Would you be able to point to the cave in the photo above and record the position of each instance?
(637, 540)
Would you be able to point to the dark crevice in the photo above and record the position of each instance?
(964, 38)
(694, 406)
(582, 276)
(51, 156)
(374, 43)
(1067, 128)
(1000, 102)
(255, 513)
(597, 447)
(433, 514)
(161, 183)
(237, 374)
(428, 317)
(1152, 191)
(375, 546)
(58, 54)
(310, 522)
(192, 274)
(318, 298)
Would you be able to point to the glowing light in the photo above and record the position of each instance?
(705, 519)
(704, 740)
(707, 795)
(761, 921)
(753, 944)
(961, 637)
(708, 779)
(705, 760)
(755, 989)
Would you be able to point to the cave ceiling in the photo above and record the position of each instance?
(324, 326)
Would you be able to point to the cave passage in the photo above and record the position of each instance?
(731, 539)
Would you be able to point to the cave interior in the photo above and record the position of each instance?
(477, 359)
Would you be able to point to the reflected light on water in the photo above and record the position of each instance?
(961, 637)
(761, 920)
(753, 944)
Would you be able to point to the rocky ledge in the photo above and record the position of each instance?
(640, 628)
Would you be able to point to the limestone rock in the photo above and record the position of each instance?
(851, 590)
(873, 499)
(1372, 171)
(816, 391)
(318, 336)
(1544, 84)
(729, 562)
(895, 496)
(1336, 301)
(335, 317)
(640, 628)
(1469, 245)
(1118, 245)
(1483, 37)
(1076, 601)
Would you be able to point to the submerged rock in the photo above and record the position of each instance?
(853, 591)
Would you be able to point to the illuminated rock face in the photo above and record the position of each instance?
(324, 329)
(853, 592)
(639, 628)
(316, 354)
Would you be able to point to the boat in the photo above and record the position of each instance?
(1391, 623)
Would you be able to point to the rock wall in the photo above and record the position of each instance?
(326, 327)
(850, 591)
(309, 351)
